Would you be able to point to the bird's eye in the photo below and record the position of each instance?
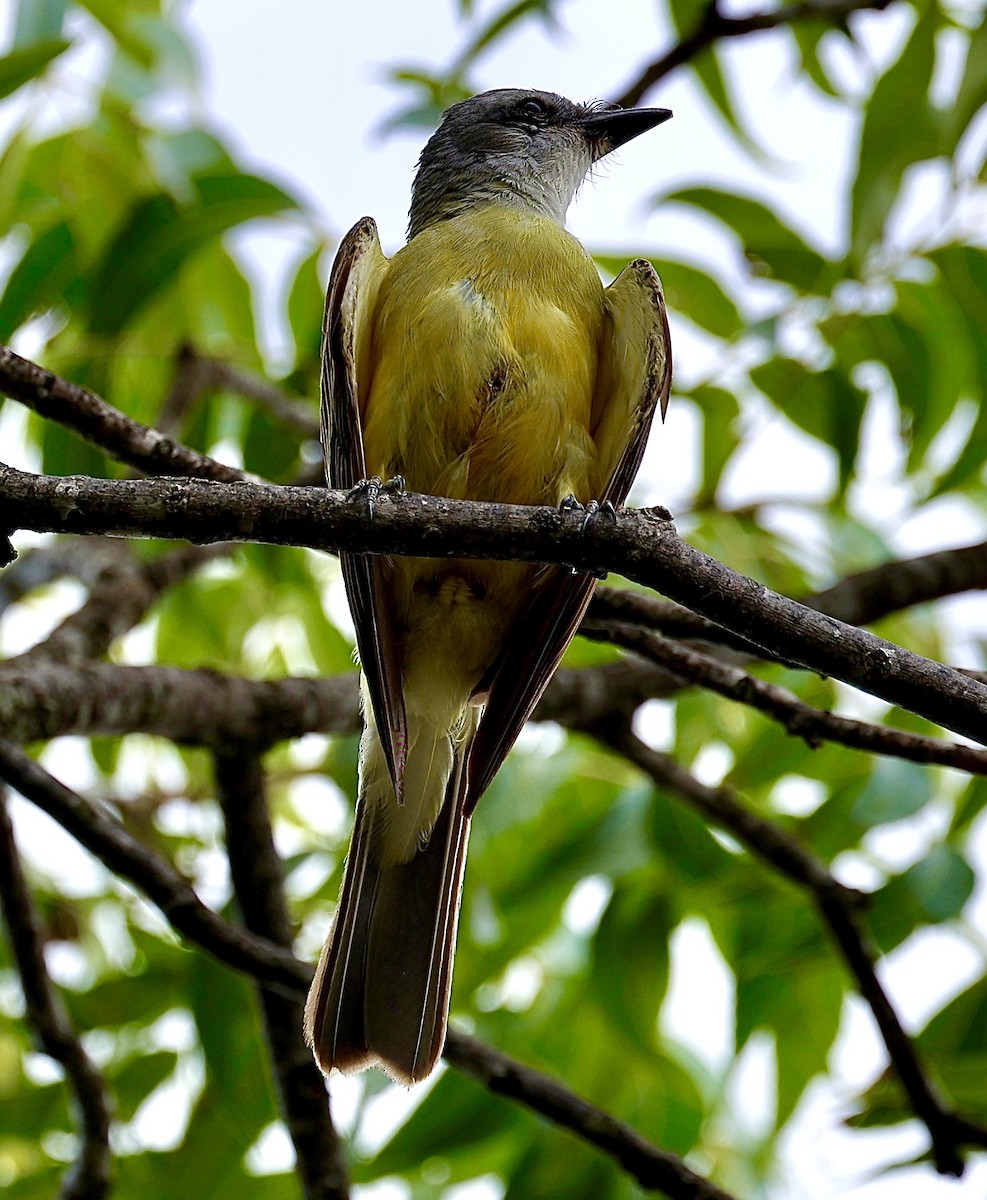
(532, 108)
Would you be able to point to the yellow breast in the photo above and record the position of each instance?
(485, 345)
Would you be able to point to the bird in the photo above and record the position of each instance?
(484, 361)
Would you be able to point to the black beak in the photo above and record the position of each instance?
(610, 128)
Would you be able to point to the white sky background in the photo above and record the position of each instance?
(298, 87)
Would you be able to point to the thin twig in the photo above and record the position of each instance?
(277, 967)
(196, 374)
(190, 382)
(713, 27)
(257, 876)
(840, 909)
(800, 719)
(294, 412)
(89, 1176)
(642, 545)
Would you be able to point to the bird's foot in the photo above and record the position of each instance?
(370, 490)
(598, 512)
(593, 511)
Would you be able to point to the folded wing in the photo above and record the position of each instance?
(633, 382)
(351, 299)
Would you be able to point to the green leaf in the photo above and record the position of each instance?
(137, 1079)
(970, 806)
(268, 449)
(823, 403)
(807, 37)
(687, 16)
(435, 95)
(38, 21)
(305, 304)
(501, 22)
(896, 789)
(783, 965)
(683, 839)
(631, 960)
(224, 1006)
(558, 1165)
(899, 128)
(456, 1117)
(45, 276)
(159, 236)
(21, 66)
(963, 270)
(65, 453)
(942, 882)
(690, 290)
(955, 1039)
(972, 93)
(815, 991)
(721, 436)
(764, 237)
(944, 365)
(123, 23)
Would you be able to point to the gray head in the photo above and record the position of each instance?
(526, 149)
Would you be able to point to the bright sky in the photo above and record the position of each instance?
(299, 87)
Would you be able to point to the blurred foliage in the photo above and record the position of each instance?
(584, 885)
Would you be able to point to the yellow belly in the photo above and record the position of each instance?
(485, 345)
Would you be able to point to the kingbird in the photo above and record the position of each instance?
(484, 361)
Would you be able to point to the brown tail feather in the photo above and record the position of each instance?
(381, 990)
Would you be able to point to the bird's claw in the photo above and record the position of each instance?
(595, 511)
(370, 490)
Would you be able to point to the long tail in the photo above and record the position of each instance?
(381, 989)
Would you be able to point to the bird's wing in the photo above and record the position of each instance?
(634, 380)
(351, 299)
(532, 650)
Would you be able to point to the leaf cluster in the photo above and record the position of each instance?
(585, 883)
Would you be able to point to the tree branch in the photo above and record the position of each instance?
(96, 421)
(122, 589)
(255, 869)
(714, 27)
(800, 719)
(193, 708)
(859, 599)
(869, 595)
(642, 545)
(654, 1169)
(839, 907)
(89, 1177)
(104, 837)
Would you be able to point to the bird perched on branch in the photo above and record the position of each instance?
(484, 361)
